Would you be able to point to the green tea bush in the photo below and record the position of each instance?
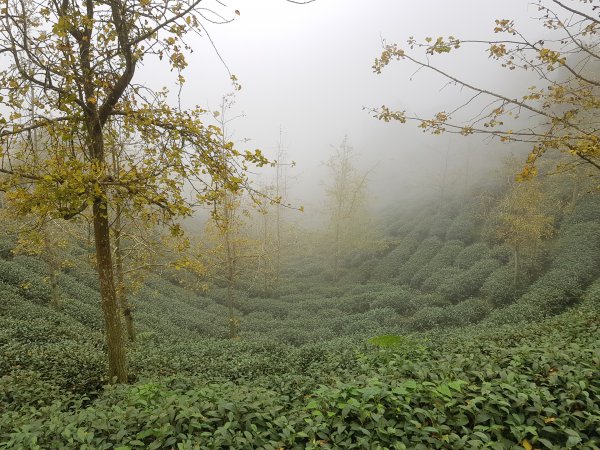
(87, 314)
(390, 265)
(443, 259)
(430, 299)
(502, 253)
(578, 251)
(592, 294)
(7, 244)
(440, 277)
(32, 264)
(466, 283)
(463, 227)
(585, 210)
(499, 288)
(275, 307)
(423, 254)
(550, 294)
(76, 366)
(400, 299)
(356, 304)
(467, 312)
(575, 265)
(25, 389)
(471, 255)
(31, 286)
(427, 318)
(439, 226)
(84, 273)
(73, 288)
(365, 271)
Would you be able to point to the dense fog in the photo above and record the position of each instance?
(307, 70)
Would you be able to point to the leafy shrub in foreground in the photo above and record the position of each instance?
(506, 389)
(24, 389)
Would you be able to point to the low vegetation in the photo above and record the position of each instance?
(435, 347)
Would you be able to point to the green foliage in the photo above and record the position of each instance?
(478, 388)
(502, 253)
(31, 286)
(23, 389)
(439, 226)
(463, 227)
(390, 264)
(499, 288)
(400, 299)
(575, 265)
(467, 312)
(471, 254)
(423, 254)
(458, 359)
(387, 340)
(443, 259)
(586, 209)
(461, 284)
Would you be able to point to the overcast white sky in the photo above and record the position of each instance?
(307, 68)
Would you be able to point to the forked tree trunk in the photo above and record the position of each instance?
(117, 368)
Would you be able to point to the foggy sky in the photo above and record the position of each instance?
(307, 69)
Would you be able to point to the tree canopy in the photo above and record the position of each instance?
(558, 114)
(71, 74)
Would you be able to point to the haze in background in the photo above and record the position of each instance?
(307, 69)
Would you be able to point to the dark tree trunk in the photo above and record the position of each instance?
(55, 289)
(117, 368)
(517, 268)
(121, 290)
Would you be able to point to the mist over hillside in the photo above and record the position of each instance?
(299, 224)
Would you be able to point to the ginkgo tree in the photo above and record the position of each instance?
(557, 114)
(345, 190)
(522, 223)
(80, 58)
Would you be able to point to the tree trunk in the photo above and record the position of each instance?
(121, 290)
(233, 334)
(55, 289)
(117, 368)
(517, 268)
(336, 250)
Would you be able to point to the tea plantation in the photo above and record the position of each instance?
(423, 343)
